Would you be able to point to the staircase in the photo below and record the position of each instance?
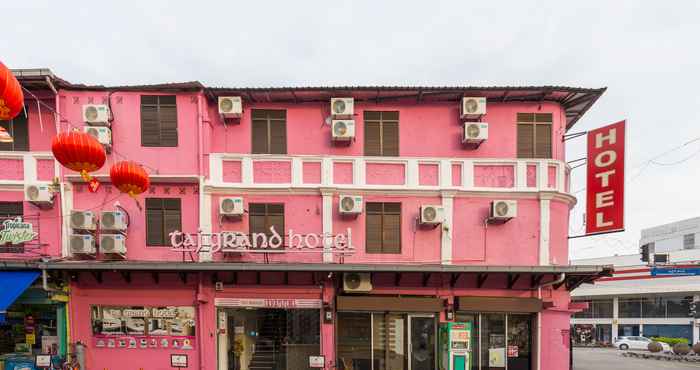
(272, 327)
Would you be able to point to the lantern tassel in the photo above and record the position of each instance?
(138, 204)
(85, 175)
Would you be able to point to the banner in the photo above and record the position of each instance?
(605, 182)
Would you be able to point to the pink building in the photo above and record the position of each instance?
(302, 227)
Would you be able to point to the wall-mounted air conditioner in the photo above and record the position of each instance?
(113, 243)
(350, 204)
(472, 107)
(342, 107)
(83, 220)
(96, 114)
(230, 106)
(102, 134)
(82, 244)
(113, 221)
(40, 195)
(431, 215)
(355, 282)
(475, 132)
(503, 210)
(231, 206)
(343, 130)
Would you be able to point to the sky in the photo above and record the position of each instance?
(646, 53)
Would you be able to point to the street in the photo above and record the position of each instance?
(608, 358)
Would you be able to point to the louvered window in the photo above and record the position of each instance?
(19, 130)
(158, 121)
(269, 131)
(263, 216)
(383, 228)
(163, 216)
(534, 135)
(381, 133)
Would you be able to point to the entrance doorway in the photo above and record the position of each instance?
(386, 341)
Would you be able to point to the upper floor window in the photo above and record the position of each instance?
(158, 120)
(163, 216)
(19, 130)
(383, 228)
(269, 131)
(534, 135)
(381, 133)
(263, 216)
(11, 209)
(689, 241)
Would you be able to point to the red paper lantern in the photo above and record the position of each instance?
(79, 152)
(11, 96)
(129, 177)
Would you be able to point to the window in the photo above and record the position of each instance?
(262, 216)
(630, 308)
(383, 228)
(11, 209)
(382, 133)
(689, 241)
(534, 135)
(19, 130)
(269, 131)
(158, 121)
(163, 216)
(596, 309)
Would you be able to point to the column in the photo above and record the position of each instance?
(327, 215)
(616, 315)
(544, 229)
(696, 329)
(446, 234)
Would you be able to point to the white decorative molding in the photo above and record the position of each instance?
(327, 226)
(446, 234)
(544, 230)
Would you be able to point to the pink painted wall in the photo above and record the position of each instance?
(426, 130)
(107, 196)
(46, 222)
(272, 172)
(385, 173)
(231, 171)
(555, 340)
(428, 174)
(456, 175)
(11, 169)
(501, 176)
(311, 172)
(342, 173)
(558, 233)
(40, 131)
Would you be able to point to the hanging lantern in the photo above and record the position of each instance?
(79, 152)
(11, 96)
(129, 177)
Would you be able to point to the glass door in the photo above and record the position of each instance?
(422, 342)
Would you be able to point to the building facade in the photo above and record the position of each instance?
(651, 294)
(278, 238)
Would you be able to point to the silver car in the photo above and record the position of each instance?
(638, 343)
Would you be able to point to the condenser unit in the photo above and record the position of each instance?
(342, 107)
(96, 114)
(230, 106)
(343, 130)
(432, 215)
(82, 244)
(475, 132)
(40, 195)
(503, 210)
(231, 206)
(472, 107)
(350, 204)
(356, 282)
(113, 221)
(102, 134)
(113, 243)
(83, 220)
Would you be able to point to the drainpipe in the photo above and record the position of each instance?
(45, 281)
(558, 280)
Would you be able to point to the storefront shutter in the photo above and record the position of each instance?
(373, 141)
(154, 221)
(150, 127)
(373, 232)
(168, 121)
(525, 140)
(543, 141)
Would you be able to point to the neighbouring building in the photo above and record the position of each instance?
(298, 227)
(651, 294)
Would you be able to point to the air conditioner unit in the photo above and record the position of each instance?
(83, 220)
(102, 134)
(343, 130)
(113, 243)
(82, 244)
(350, 204)
(342, 107)
(38, 194)
(355, 282)
(475, 132)
(432, 215)
(503, 210)
(231, 206)
(96, 114)
(472, 107)
(230, 106)
(113, 221)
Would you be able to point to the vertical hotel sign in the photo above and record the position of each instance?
(605, 181)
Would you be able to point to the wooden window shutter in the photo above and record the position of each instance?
(543, 141)
(150, 127)
(390, 138)
(256, 218)
(373, 228)
(278, 136)
(391, 233)
(526, 145)
(168, 120)
(259, 136)
(172, 218)
(373, 133)
(154, 221)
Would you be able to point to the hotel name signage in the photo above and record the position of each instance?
(272, 242)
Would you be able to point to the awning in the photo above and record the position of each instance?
(14, 284)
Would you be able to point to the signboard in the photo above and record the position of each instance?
(43, 361)
(317, 361)
(677, 271)
(268, 302)
(14, 233)
(272, 242)
(178, 360)
(605, 182)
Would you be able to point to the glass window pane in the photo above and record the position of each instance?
(493, 341)
(630, 308)
(354, 341)
(653, 307)
(678, 307)
(519, 342)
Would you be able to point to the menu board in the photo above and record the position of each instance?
(138, 327)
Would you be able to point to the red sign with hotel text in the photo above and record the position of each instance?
(605, 183)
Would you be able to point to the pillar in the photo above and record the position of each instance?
(616, 315)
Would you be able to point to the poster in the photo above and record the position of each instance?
(138, 327)
(497, 357)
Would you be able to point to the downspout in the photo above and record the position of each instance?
(199, 300)
(558, 280)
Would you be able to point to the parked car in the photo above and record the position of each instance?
(625, 343)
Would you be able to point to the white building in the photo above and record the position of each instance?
(645, 298)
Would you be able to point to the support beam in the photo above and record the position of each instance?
(397, 279)
(156, 277)
(453, 279)
(183, 277)
(214, 277)
(98, 276)
(257, 277)
(126, 275)
(512, 279)
(535, 280)
(481, 279)
(286, 278)
(426, 278)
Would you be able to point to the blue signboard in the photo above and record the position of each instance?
(675, 271)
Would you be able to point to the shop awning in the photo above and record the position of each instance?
(14, 283)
